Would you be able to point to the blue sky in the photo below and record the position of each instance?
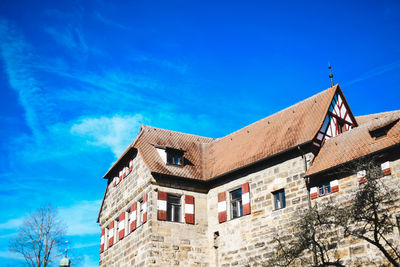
(78, 78)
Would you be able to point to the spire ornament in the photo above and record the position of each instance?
(330, 73)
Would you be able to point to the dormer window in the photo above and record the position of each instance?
(174, 156)
(382, 131)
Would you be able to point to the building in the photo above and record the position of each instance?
(179, 199)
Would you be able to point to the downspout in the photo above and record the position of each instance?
(307, 182)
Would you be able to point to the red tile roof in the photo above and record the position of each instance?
(286, 129)
(209, 158)
(357, 142)
(366, 118)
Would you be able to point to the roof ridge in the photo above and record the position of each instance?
(172, 131)
(379, 113)
(276, 113)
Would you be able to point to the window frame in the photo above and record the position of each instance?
(323, 187)
(174, 209)
(173, 154)
(237, 200)
(279, 195)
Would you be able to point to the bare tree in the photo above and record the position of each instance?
(40, 237)
(313, 243)
(370, 217)
(367, 215)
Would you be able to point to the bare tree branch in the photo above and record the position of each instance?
(40, 237)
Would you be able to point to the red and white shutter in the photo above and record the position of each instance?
(130, 165)
(313, 192)
(126, 171)
(115, 181)
(144, 204)
(222, 207)
(162, 206)
(362, 176)
(121, 226)
(246, 198)
(120, 176)
(133, 216)
(189, 209)
(386, 168)
(102, 240)
(111, 234)
(334, 186)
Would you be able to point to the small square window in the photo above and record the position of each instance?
(173, 208)
(279, 199)
(324, 189)
(236, 203)
(175, 157)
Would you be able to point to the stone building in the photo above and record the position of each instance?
(179, 199)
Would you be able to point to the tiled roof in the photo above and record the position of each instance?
(209, 158)
(366, 118)
(283, 130)
(193, 145)
(357, 142)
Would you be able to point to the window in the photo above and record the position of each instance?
(279, 199)
(173, 208)
(174, 157)
(324, 189)
(236, 203)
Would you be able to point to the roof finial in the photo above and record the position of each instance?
(330, 73)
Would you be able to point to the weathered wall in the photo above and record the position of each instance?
(133, 249)
(247, 240)
(353, 251)
(178, 243)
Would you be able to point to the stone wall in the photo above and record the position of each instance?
(178, 243)
(133, 249)
(247, 239)
(243, 241)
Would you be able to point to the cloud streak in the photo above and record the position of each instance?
(115, 132)
(374, 72)
(16, 54)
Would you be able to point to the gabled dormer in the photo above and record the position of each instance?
(171, 156)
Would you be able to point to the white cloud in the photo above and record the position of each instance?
(12, 224)
(17, 54)
(374, 72)
(115, 132)
(89, 262)
(81, 218)
(10, 255)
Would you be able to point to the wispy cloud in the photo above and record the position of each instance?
(374, 72)
(10, 255)
(109, 22)
(70, 37)
(81, 217)
(12, 224)
(114, 132)
(163, 63)
(89, 262)
(16, 54)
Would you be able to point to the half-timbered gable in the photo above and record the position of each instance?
(338, 119)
